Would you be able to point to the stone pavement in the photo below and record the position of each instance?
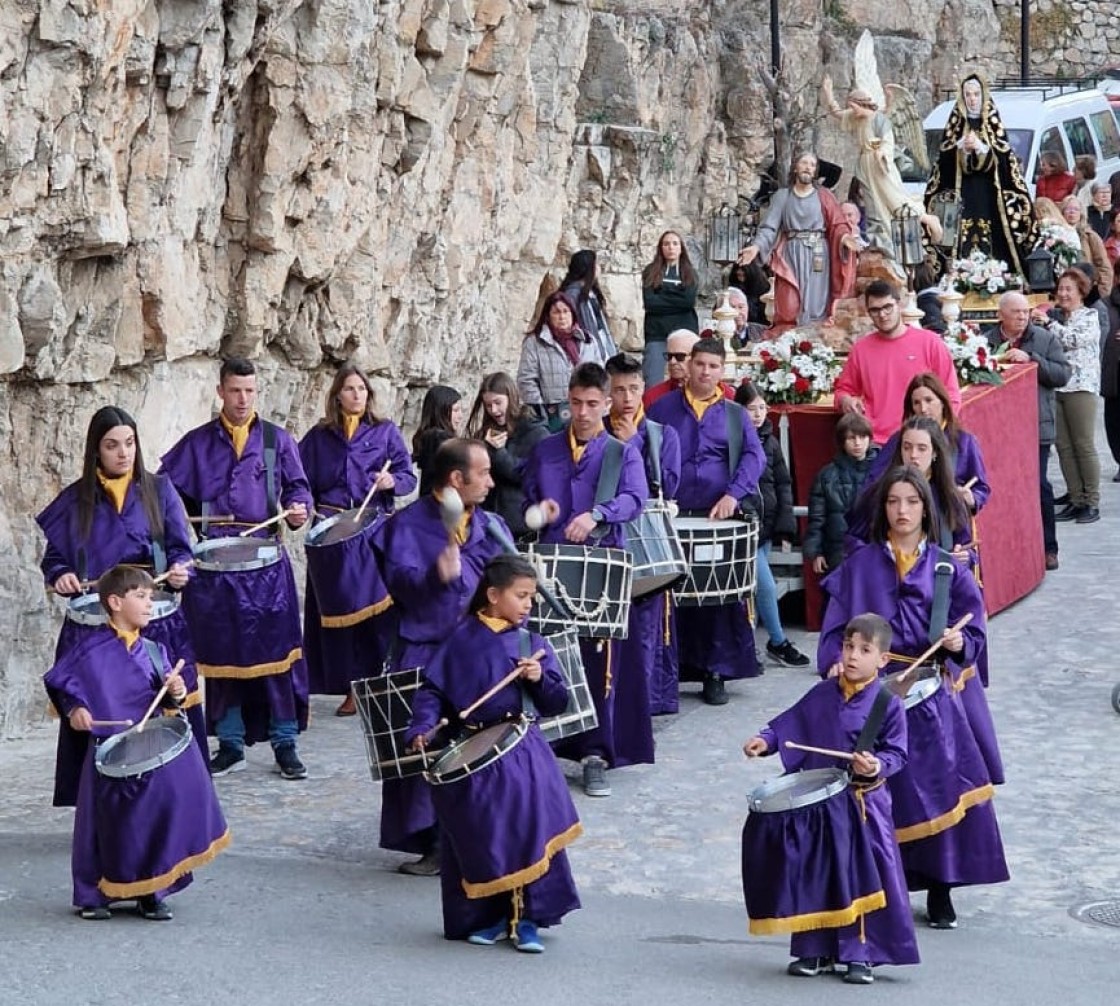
(306, 908)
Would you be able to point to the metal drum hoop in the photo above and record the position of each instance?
(810, 787)
(507, 735)
(164, 603)
(268, 554)
(176, 725)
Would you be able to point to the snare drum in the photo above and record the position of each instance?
(579, 716)
(384, 704)
(720, 556)
(235, 555)
(474, 751)
(86, 609)
(135, 752)
(659, 562)
(348, 586)
(807, 857)
(594, 584)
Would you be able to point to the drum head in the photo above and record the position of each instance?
(340, 527)
(135, 752)
(476, 750)
(233, 554)
(799, 789)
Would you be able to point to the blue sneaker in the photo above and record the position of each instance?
(528, 940)
(488, 937)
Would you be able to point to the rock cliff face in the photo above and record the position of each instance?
(306, 181)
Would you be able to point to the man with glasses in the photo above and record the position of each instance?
(677, 349)
(882, 364)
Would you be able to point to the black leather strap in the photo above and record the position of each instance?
(654, 435)
(942, 581)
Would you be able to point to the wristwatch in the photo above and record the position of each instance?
(597, 515)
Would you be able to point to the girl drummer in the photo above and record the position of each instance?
(504, 872)
(117, 512)
(350, 451)
(943, 813)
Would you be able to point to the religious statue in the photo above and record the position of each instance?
(874, 121)
(805, 236)
(977, 167)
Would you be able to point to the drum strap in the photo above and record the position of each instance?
(83, 564)
(155, 657)
(610, 474)
(495, 531)
(524, 650)
(732, 413)
(942, 581)
(654, 433)
(874, 722)
(268, 433)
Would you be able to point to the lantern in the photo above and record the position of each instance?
(947, 208)
(723, 236)
(1040, 271)
(906, 236)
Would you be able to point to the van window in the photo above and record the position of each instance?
(1051, 142)
(1080, 139)
(1108, 136)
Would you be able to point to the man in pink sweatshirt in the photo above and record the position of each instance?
(882, 363)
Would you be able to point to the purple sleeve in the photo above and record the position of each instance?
(891, 744)
(294, 487)
(54, 564)
(771, 739)
(427, 704)
(670, 461)
(176, 531)
(966, 599)
(970, 464)
(752, 462)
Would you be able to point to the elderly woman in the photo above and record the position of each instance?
(1078, 330)
(1092, 247)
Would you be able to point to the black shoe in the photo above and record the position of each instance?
(227, 760)
(1088, 515)
(787, 654)
(154, 910)
(810, 967)
(94, 913)
(859, 974)
(1068, 512)
(714, 692)
(426, 866)
(288, 764)
(1051, 561)
(1116, 477)
(595, 776)
(1064, 499)
(939, 908)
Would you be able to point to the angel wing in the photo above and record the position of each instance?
(907, 124)
(865, 69)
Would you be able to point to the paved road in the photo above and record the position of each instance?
(306, 909)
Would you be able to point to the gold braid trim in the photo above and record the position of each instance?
(973, 798)
(345, 621)
(522, 877)
(142, 888)
(819, 920)
(256, 671)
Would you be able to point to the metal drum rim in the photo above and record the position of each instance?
(520, 728)
(310, 541)
(833, 781)
(171, 601)
(215, 545)
(175, 723)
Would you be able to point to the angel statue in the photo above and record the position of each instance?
(874, 120)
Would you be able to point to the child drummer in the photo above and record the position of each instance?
(832, 715)
(504, 828)
(136, 838)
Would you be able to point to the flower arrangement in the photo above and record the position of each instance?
(1062, 242)
(973, 359)
(793, 370)
(983, 275)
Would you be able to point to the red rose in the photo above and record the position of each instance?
(802, 385)
(804, 346)
(764, 354)
(770, 364)
(982, 356)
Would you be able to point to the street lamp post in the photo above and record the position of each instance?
(1025, 42)
(776, 37)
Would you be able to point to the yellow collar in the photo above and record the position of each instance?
(701, 405)
(904, 562)
(577, 448)
(238, 434)
(849, 690)
(463, 528)
(494, 623)
(115, 488)
(350, 424)
(639, 416)
(126, 636)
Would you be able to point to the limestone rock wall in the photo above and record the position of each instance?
(305, 181)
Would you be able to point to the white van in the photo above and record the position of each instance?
(1072, 119)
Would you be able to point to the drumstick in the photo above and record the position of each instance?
(110, 723)
(159, 697)
(83, 585)
(821, 751)
(265, 523)
(971, 482)
(165, 575)
(516, 672)
(372, 488)
(221, 518)
(427, 738)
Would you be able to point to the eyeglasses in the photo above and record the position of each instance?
(882, 309)
(676, 357)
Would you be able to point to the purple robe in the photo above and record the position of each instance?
(505, 826)
(115, 538)
(139, 836)
(942, 800)
(340, 472)
(716, 639)
(427, 610)
(550, 473)
(262, 672)
(824, 718)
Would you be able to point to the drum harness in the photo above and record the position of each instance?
(867, 736)
(268, 437)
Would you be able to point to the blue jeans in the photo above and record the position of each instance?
(231, 731)
(766, 597)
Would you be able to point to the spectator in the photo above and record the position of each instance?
(441, 418)
(1099, 213)
(1092, 247)
(581, 284)
(669, 288)
(1056, 181)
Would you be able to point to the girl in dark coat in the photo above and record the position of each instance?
(441, 418)
(510, 430)
(669, 287)
(775, 523)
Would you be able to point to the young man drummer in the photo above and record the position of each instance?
(651, 644)
(715, 642)
(242, 468)
(432, 577)
(562, 476)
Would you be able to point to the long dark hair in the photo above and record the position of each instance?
(880, 526)
(557, 296)
(105, 419)
(942, 474)
(333, 409)
(435, 414)
(501, 572)
(653, 273)
(950, 425)
(581, 270)
(498, 383)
